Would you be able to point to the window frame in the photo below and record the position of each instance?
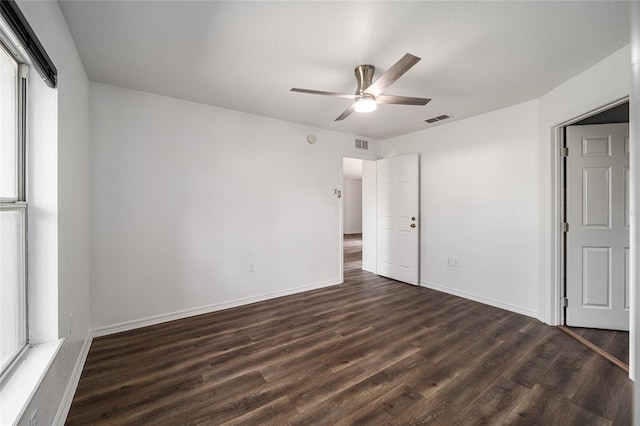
(19, 203)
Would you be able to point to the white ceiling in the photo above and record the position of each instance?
(245, 56)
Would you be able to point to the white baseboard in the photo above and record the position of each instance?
(542, 319)
(185, 313)
(67, 398)
(481, 299)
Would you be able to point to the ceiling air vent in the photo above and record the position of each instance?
(362, 144)
(438, 118)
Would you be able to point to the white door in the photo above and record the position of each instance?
(598, 237)
(398, 213)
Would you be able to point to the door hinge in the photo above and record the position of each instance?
(565, 302)
(565, 227)
(565, 151)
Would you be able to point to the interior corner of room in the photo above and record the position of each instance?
(173, 172)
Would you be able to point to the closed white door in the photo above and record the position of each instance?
(598, 218)
(398, 213)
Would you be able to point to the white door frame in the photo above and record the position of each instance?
(558, 238)
(558, 196)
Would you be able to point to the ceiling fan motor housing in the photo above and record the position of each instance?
(364, 75)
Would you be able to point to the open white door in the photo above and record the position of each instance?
(598, 217)
(398, 214)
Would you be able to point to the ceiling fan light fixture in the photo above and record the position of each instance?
(365, 103)
(370, 93)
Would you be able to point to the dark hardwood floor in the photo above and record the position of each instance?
(352, 244)
(369, 351)
(614, 342)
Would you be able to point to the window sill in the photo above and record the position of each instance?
(18, 389)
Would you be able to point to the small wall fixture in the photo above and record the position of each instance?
(312, 138)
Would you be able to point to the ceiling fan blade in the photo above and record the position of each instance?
(319, 92)
(401, 100)
(394, 73)
(347, 112)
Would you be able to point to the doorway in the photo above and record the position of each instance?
(388, 214)
(358, 210)
(595, 232)
(352, 214)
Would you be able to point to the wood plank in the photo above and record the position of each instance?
(590, 398)
(346, 402)
(597, 347)
(538, 408)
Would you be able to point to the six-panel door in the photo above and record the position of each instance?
(598, 215)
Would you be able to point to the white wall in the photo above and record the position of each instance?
(599, 85)
(352, 206)
(479, 202)
(42, 195)
(69, 213)
(635, 205)
(481, 174)
(184, 196)
(369, 219)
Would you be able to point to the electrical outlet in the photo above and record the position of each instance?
(449, 261)
(252, 266)
(33, 420)
(456, 262)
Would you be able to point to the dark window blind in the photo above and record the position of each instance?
(18, 23)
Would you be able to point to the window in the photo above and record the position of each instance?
(13, 210)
